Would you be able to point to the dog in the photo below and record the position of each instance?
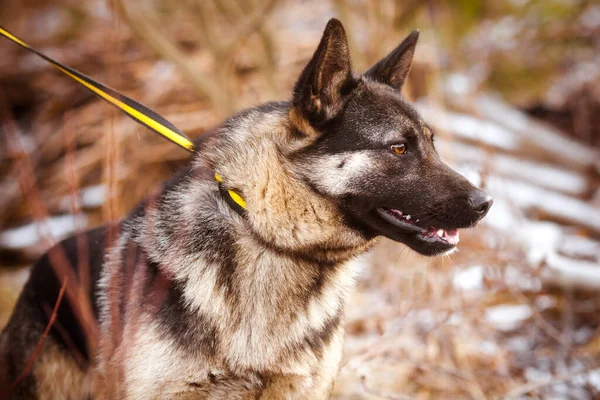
(230, 282)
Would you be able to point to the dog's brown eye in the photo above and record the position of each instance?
(399, 148)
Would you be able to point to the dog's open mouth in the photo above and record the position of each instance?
(426, 233)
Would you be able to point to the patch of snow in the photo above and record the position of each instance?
(26, 144)
(28, 235)
(514, 277)
(541, 239)
(583, 335)
(455, 319)
(537, 375)
(502, 216)
(518, 344)
(49, 21)
(508, 317)
(160, 75)
(162, 71)
(100, 10)
(472, 174)
(93, 196)
(590, 19)
(469, 279)
(509, 129)
(554, 178)
(526, 129)
(579, 246)
(594, 378)
(541, 174)
(504, 32)
(488, 347)
(568, 272)
(527, 196)
(89, 197)
(469, 128)
(561, 390)
(459, 85)
(544, 302)
(426, 319)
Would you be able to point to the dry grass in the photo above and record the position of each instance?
(414, 331)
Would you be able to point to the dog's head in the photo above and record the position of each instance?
(373, 155)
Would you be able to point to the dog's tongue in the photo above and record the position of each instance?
(451, 236)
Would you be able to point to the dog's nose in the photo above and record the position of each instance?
(480, 202)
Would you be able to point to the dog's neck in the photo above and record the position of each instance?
(261, 299)
(283, 216)
(270, 280)
(282, 209)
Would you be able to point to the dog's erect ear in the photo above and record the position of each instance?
(320, 89)
(394, 68)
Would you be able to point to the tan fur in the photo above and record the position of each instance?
(255, 333)
(263, 350)
(283, 209)
(299, 122)
(59, 377)
(225, 302)
(222, 302)
(170, 371)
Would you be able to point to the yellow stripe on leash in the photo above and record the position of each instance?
(132, 108)
(13, 38)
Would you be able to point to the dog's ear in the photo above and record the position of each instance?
(320, 89)
(394, 68)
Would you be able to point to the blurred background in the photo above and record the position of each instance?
(512, 88)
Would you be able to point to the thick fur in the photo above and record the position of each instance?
(197, 300)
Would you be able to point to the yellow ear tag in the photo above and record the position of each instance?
(234, 196)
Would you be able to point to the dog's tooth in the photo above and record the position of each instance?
(408, 217)
(440, 232)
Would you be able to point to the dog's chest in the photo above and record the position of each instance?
(274, 323)
(157, 368)
(274, 314)
(154, 363)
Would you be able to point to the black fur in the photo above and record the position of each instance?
(326, 78)
(190, 330)
(368, 119)
(41, 291)
(335, 121)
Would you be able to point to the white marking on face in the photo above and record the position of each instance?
(332, 178)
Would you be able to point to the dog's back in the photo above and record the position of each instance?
(219, 313)
(58, 366)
